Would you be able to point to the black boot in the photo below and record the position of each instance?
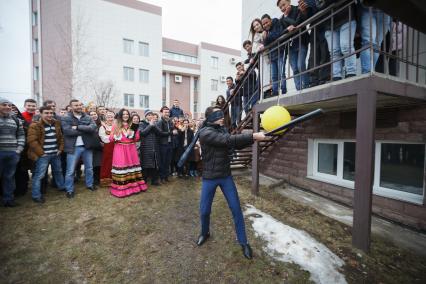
(202, 239)
(247, 252)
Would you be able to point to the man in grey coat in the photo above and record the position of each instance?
(80, 138)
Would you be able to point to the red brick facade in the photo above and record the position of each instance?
(288, 158)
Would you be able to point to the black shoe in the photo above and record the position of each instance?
(247, 252)
(39, 200)
(337, 78)
(166, 180)
(70, 194)
(202, 239)
(350, 75)
(10, 203)
(92, 188)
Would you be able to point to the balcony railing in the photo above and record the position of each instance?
(343, 40)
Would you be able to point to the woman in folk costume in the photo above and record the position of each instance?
(126, 169)
(104, 133)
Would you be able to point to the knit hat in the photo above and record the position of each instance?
(147, 111)
(5, 101)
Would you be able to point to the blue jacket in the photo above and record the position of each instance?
(86, 128)
(176, 112)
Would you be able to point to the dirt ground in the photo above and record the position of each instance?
(150, 238)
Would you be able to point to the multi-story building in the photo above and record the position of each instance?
(196, 74)
(112, 52)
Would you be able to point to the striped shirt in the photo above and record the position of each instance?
(12, 137)
(50, 145)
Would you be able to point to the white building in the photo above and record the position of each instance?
(86, 46)
(196, 74)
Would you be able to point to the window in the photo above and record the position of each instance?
(163, 100)
(195, 106)
(215, 62)
(180, 57)
(195, 84)
(327, 158)
(214, 85)
(399, 167)
(129, 100)
(36, 73)
(163, 80)
(35, 19)
(143, 75)
(144, 49)
(35, 45)
(128, 74)
(144, 101)
(128, 46)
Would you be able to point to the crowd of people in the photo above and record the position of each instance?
(117, 149)
(120, 150)
(335, 36)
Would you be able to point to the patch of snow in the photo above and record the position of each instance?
(287, 244)
(307, 198)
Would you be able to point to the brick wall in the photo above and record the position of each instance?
(287, 159)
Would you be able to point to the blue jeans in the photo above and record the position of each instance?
(235, 115)
(278, 71)
(8, 162)
(40, 171)
(342, 45)
(380, 25)
(165, 160)
(229, 190)
(72, 160)
(298, 64)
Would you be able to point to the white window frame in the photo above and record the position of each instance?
(34, 20)
(126, 99)
(312, 170)
(35, 45)
(36, 73)
(144, 78)
(144, 101)
(128, 45)
(144, 49)
(214, 62)
(388, 192)
(128, 74)
(212, 85)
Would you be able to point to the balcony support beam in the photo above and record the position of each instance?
(364, 168)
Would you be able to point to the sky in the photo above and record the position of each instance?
(213, 21)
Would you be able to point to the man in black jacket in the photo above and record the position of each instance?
(166, 127)
(216, 144)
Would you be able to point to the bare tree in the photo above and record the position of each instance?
(73, 63)
(104, 93)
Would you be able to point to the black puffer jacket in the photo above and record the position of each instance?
(216, 143)
(150, 145)
(166, 127)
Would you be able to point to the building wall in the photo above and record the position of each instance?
(225, 68)
(105, 24)
(180, 91)
(56, 53)
(288, 159)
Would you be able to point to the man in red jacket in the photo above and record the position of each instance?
(30, 106)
